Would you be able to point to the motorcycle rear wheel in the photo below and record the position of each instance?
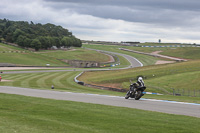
(138, 95)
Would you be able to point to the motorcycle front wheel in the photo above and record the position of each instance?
(127, 95)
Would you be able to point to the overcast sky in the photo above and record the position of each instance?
(113, 20)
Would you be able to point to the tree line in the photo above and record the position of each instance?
(37, 36)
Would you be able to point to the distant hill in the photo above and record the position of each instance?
(37, 36)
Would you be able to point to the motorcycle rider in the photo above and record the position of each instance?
(140, 84)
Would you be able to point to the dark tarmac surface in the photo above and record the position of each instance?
(178, 108)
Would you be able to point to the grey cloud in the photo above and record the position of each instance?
(170, 13)
(166, 4)
(140, 20)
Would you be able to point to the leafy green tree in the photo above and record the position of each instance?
(27, 42)
(76, 42)
(16, 34)
(36, 44)
(56, 42)
(20, 40)
(9, 37)
(44, 42)
(36, 36)
(66, 41)
(8, 23)
(1, 32)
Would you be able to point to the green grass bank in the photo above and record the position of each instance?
(22, 57)
(22, 114)
(158, 78)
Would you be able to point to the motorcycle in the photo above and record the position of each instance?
(135, 92)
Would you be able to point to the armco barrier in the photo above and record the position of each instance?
(77, 81)
(152, 93)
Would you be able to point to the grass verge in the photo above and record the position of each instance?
(26, 114)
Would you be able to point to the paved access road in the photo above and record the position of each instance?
(178, 108)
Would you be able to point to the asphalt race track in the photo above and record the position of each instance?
(133, 61)
(179, 108)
